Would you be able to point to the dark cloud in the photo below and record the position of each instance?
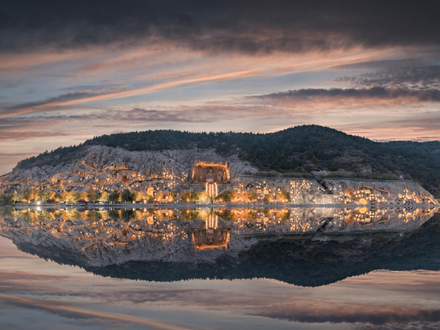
(77, 95)
(408, 326)
(416, 78)
(409, 62)
(427, 95)
(115, 116)
(60, 98)
(19, 154)
(251, 27)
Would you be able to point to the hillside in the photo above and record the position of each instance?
(294, 152)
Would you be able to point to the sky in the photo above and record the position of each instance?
(71, 70)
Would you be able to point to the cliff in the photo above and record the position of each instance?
(105, 169)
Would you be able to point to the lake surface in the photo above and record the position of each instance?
(241, 268)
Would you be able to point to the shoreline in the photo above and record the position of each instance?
(208, 205)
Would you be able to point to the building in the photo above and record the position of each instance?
(211, 172)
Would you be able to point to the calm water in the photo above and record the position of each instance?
(220, 269)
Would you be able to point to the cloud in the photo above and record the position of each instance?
(271, 113)
(18, 128)
(238, 26)
(37, 126)
(70, 99)
(427, 77)
(59, 102)
(19, 154)
(418, 127)
(61, 98)
(408, 326)
(337, 94)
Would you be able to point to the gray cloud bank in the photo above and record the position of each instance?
(427, 77)
(243, 26)
(428, 95)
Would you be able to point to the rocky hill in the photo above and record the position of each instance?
(304, 151)
(323, 166)
(166, 176)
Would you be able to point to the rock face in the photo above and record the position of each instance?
(116, 168)
(365, 192)
(155, 174)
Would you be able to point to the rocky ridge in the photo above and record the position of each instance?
(106, 169)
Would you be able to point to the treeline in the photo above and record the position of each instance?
(32, 195)
(60, 155)
(294, 152)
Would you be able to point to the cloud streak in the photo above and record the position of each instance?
(71, 99)
(373, 93)
(427, 77)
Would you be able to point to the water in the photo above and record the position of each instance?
(220, 269)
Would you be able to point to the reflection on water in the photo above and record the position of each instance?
(303, 246)
(249, 247)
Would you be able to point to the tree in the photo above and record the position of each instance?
(114, 196)
(84, 195)
(6, 199)
(226, 196)
(30, 194)
(251, 196)
(27, 195)
(137, 196)
(58, 197)
(17, 198)
(286, 195)
(48, 195)
(127, 196)
(65, 196)
(190, 196)
(94, 196)
(75, 196)
(104, 196)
